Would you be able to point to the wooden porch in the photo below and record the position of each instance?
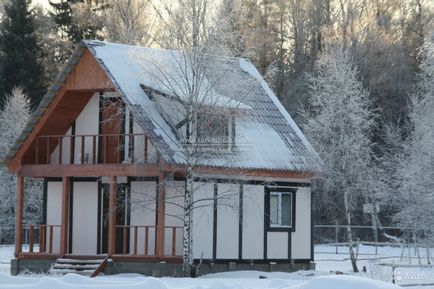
(125, 242)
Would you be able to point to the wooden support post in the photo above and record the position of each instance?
(19, 211)
(64, 216)
(161, 214)
(135, 239)
(31, 238)
(50, 244)
(146, 240)
(112, 217)
(60, 149)
(173, 241)
(42, 238)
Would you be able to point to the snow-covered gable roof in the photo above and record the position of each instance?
(267, 135)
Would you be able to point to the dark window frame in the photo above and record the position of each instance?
(267, 196)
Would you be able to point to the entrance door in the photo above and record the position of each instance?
(122, 217)
(112, 126)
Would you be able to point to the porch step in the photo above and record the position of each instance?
(88, 267)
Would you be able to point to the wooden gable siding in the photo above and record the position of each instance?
(88, 75)
(85, 79)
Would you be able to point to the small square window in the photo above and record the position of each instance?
(281, 209)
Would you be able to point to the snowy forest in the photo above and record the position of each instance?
(356, 75)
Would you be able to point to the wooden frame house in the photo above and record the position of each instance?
(113, 182)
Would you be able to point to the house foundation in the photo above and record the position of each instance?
(164, 269)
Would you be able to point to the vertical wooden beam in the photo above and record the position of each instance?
(19, 211)
(146, 240)
(31, 238)
(112, 217)
(135, 239)
(173, 241)
(64, 216)
(146, 150)
(60, 149)
(50, 236)
(94, 158)
(161, 216)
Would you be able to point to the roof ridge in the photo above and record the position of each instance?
(91, 42)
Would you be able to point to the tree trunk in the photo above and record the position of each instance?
(416, 247)
(187, 260)
(349, 233)
(427, 248)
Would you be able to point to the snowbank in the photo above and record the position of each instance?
(243, 280)
(345, 282)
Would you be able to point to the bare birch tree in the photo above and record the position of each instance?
(129, 22)
(202, 118)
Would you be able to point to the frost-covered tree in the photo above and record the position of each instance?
(128, 21)
(339, 125)
(13, 119)
(415, 194)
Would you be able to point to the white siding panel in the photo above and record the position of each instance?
(300, 245)
(143, 211)
(227, 221)
(203, 220)
(66, 148)
(85, 218)
(139, 146)
(277, 245)
(87, 123)
(253, 222)
(54, 205)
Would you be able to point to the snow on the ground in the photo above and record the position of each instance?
(378, 265)
(128, 281)
(377, 277)
(6, 254)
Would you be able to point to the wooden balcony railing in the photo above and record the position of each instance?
(144, 237)
(42, 236)
(92, 149)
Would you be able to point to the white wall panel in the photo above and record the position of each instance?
(174, 215)
(66, 149)
(54, 205)
(139, 146)
(227, 221)
(253, 222)
(87, 123)
(277, 245)
(85, 218)
(203, 220)
(143, 212)
(301, 241)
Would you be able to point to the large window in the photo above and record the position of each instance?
(281, 209)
